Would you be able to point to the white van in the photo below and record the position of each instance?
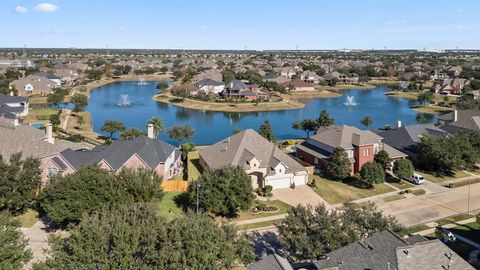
(417, 179)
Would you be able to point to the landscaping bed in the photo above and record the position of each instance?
(281, 208)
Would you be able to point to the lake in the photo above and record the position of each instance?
(133, 105)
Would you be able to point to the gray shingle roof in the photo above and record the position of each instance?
(271, 262)
(466, 119)
(152, 151)
(11, 99)
(235, 150)
(344, 136)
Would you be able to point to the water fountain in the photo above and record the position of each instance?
(142, 81)
(124, 101)
(350, 101)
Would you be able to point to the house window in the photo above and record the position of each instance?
(52, 172)
(366, 152)
(315, 161)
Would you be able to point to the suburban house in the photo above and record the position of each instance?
(209, 86)
(310, 77)
(288, 72)
(262, 160)
(298, 85)
(32, 142)
(450, 86)
(387, 250)
(455, 71)
(438, 75)
(239, 90)
(341, 78)
(212, 74)
(407, 138)
(475, 94)
(271, 262)
(145, 152)
(16, 63)
(66, 75)
(33, 85)
(13, 106)
(275, 78)
(458, 120)
(361, 146)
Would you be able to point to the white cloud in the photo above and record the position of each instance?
(46, 7)
(21, 10)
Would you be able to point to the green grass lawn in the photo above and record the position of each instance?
(37, 100)
(258, 225)
(470, 231)
(168, 207)
(194, 168)
(440, 178)
(418, 192)
(466, 182)
(402, 184)
(415, 229)
(283, 208)
(28, 218)
(338, 192)
(452, 219)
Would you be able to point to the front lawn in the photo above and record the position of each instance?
(452, 219)
(441, 178)
(415, 229)
(28, 218)
(39, 115)
(402, 184)
(283, 209)
(466, 183)
(168, 207)
(258, 225)
(339, 192)
(193, 166)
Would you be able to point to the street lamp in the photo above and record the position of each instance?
(198, 196)
(468, 201)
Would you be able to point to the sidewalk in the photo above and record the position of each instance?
(258, 220)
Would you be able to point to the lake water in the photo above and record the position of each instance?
(105, 103)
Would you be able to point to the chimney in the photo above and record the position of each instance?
(49, 133)
(455, 116)
(11, 93)
(15, 122)
(150, 131)
(399, 124)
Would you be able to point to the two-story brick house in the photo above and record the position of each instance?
(361, 146)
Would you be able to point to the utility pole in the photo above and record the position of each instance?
(198, 197)
(468, 202)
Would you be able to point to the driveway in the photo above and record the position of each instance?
(300, 195)
(37, 242)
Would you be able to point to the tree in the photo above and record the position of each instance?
(80, 121)
(383, 158)
(186, 148)
(80, 102)
(367, 121)
(267, 132)
(112, 127)
(19, 181)
(309, 233)
(426, 97)
(55, 120)
(131, 133)
(14, 252)
(420, 117)
(372, 173)
(223, 191)
(138, 237)
(158, 125)
(307, 125)
(339, 166)
(228, 75)
(66, 198)
(162, 85)
(94, 74)
(181, 133)
(403, 169)
(324, 120)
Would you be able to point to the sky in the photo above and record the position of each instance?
(241, 24)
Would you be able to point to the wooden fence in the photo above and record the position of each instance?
(175, 185)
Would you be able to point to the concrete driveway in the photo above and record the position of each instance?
(37, 242)
(300, 195)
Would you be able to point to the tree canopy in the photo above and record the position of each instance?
(181, 133)
(373, 173)
(367, 121)
(339, 166)
(307, 125)
(131, 133)
(14, 252)
(223, 191)
(158, 125)
(309, 233)
(267, 132)
(383, 158)
(112, 127)
(324, 120)
(80, 102)
(403, 169)
(66, 198)
(137, 237)
(426, 97)
(19, 181)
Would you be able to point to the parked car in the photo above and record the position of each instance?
(417, 179)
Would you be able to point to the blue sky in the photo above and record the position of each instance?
(236, 24)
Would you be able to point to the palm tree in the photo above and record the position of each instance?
(157, 125)
(367, 121)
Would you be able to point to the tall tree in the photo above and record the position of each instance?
(223, 191)
(158, 125)
(372, 173)
(80, 102)
(112, 127)
(426, 97)
(267, 132)
(14, 252)
(324, 120)
(137, 237)
(403, 169)
(383, 158)
(162, 85)
(307, 125)
(131, 133)
(19, 182)
(339, 165)
(367, 121)
(181, 133)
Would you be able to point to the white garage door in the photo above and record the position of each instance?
(279, 183)
(300, 180)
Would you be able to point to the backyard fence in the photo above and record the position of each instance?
(175, 185)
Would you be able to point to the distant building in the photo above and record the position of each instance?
(299, 86)
(450, 86)
(239, 90)
(468, 120)
(209, 86)
(13, 106)
(33, 85)
(16, 63)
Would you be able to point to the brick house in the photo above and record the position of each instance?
(361, 146)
